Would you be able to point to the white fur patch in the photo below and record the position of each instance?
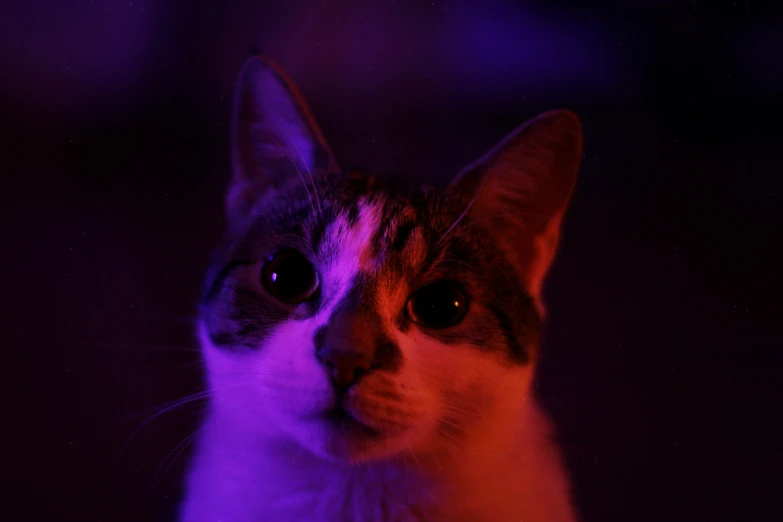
(346, 251)
(461, 437)
(283, 379)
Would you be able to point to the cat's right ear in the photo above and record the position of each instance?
(274, 138)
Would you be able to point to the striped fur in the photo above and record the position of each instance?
(446, 427)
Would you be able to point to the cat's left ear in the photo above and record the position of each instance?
(274, 137)
(519, 191)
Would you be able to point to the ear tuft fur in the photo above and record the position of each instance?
(274, 137)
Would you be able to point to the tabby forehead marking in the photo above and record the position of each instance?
(345, 252)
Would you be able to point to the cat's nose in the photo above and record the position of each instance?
(344, 366)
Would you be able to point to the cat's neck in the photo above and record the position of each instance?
(487, 476)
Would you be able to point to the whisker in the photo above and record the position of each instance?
(188, 364)
(399, 458)
(164, 348)
(312, 181)
(481, 220)
(457, 408)
(182, 446)
(464, 212)
(449, 443)
(160, 347)
(512, 215)
(439, 462)
(296, 168)
(159, 408)
(189, 320)
(457, 262)
(462, 410)
(245, 374)
(416, 460)
(473, 421)
(460, 428)
(170, 459)
(172, 406)
(449, 436)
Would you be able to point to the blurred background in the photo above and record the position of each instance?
(662, 363)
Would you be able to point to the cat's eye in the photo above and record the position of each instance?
(288, 276)
(438, 305)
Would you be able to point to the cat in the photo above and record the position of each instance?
(369, 345)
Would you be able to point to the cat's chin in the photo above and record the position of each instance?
(337, 435)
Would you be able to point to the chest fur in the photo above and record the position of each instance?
(231, 485)
(251, 489)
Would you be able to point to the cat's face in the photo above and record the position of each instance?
(363, 319)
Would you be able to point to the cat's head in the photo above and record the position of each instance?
(363, 318)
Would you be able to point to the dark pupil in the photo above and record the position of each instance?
(289, 276)
(438, 305)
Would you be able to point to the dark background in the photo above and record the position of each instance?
(663, 352)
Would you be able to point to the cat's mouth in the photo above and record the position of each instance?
(338, 414)
(341, 419)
